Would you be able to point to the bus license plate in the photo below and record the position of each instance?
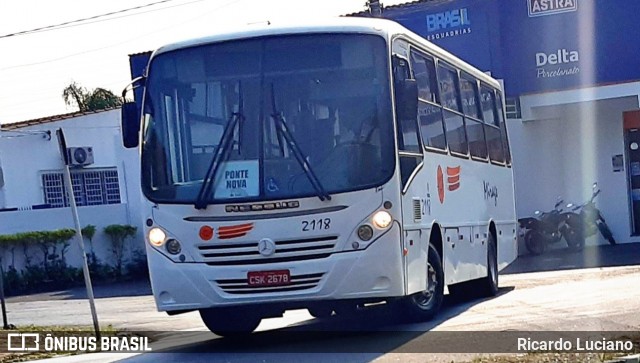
(269, 278)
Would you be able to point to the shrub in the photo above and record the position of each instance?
(46, 267)
(118, 233)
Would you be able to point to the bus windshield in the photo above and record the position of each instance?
(248, 115)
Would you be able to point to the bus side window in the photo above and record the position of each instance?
(429, 113)
(408, 139)
(453, 120)
(503, 128)
(425, 74)
(407, 129)
(491, 125)
(475, 129)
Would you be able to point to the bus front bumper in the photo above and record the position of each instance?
(370, 274)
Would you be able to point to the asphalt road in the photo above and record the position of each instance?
(591, 299)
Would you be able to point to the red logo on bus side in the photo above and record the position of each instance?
(453, 177)
(453, 180)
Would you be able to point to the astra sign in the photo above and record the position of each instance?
(550, 7)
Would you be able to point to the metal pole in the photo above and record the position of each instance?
(5, 324)
(76, 220)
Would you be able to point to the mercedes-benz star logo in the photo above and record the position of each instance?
(266, 247)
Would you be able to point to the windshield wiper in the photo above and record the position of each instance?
(283, 132)
(221, 154)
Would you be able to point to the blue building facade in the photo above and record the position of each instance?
(534, 45)
(573, 67)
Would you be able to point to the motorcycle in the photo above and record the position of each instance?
(585, 222)
(544, 229)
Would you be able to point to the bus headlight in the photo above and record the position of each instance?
(365, 232)
(156, 236)
(173, 246)
(382, 219)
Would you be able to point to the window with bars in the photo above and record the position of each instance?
(90, 187)
(513, 108)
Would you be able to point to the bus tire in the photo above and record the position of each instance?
(424, 305)
(488, 286)
(230, 322)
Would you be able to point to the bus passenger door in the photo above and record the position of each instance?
(413, 185)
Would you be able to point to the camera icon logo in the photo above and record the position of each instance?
(23, 342)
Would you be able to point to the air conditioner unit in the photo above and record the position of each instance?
(80, 156)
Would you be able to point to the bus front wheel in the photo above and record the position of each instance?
(230, 322)
(425, 304)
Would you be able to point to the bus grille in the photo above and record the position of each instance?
(241, 286)
(246, 253)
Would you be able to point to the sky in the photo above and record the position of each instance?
(36, 67)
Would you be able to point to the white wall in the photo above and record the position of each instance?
(38, 152)
(59, 218)
(566, 144)
(25, 157)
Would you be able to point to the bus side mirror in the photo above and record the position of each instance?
(130, 124)
(407, 99)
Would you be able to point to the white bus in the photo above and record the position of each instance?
(322, 166)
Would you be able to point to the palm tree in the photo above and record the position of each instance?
(85, 100)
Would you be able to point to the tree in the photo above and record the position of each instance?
(89, 100)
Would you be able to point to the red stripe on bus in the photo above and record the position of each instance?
(451, 171)
(240, 227)
(232, 235)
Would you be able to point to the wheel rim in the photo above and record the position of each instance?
(423, 299)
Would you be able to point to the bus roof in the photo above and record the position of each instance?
(383, 27)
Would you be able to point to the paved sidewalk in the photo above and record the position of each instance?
(119, 289)
(626, 254)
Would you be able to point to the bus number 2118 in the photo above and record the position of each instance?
(316, 224)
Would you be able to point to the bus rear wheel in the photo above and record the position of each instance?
(230, 322)
(488, 286)
(424, 305)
